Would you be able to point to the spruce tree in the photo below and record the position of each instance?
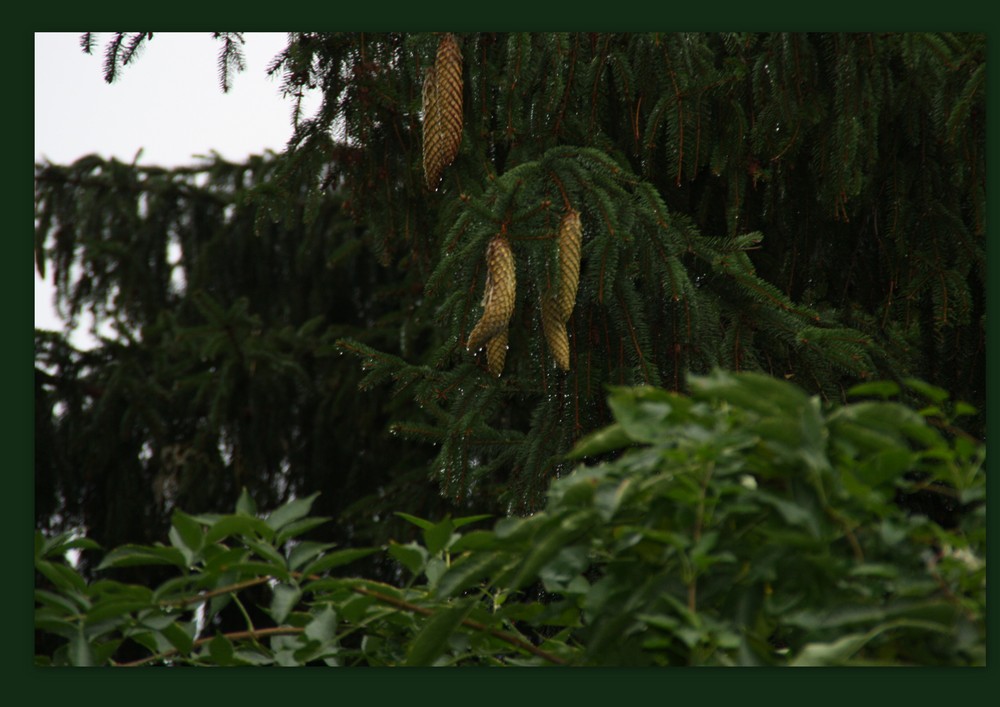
(482, 232)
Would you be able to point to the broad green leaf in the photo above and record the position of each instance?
(412, 556)
(753, 391)
(305, 552)
(245, 504)
(336, 559)
(291, 511)
(238, 524)
(604, 440)
(459, 522)
(61, 575)
(886, 466)
(60, 602)
(643, 419)
(189, 531)
(102, 611)
(323, 626)
(548, 545)
(266, 551)
(791, 512)
(179, 637)
(284, 601)
(880, 389)
(419, 522)
(475, 540)
(962, 409)
(220, 648)
(135, 555)
(80, 653)
(931, 392)
(437, 536)
(467, 571)
(298, 527)
(430, 642)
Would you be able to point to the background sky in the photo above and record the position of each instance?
(169, 103)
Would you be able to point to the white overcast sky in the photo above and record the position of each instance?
(169, 103)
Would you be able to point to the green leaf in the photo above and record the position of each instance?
(963, 408)
(178, 637)
(79, 650)
(419, 522)
(239, 524)
(336, 559)
(220, 648)
(880, 389)
(305, 552)
(459, 522)
(931, 392)
(298, 527)
(323, 626)
(604, 440)
(412, 556)
(136, 555)
(284, 601)
(430, 642)
(469, 570)
(437, 536)
(189, 532)
(61, 575)
(245, 504)
(291, 511)
(547, 545)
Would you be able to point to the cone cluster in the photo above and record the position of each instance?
(498, 304)
(442, 107)
(558, 301)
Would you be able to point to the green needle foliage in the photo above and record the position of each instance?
(805, 206)
(746, 523)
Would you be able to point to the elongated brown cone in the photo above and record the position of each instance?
(555, 333)
(433, 165)
(500, 293)
(442, 103)
(496, 352)
(570, 237)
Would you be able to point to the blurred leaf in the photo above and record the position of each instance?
(419, 522)
(136, 555)
(879, 389)
(323, 626)
(221, 650)
(239, 524)
(337, 559)
(80, 653)
(412, 556)
(299, 527)
(284, 601)
(245, 504)
(437, 536)
(291, 511)
(604, 440)
(430, 642)
(305, 552)
(931, 392)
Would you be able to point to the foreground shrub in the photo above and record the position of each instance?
(744, 524)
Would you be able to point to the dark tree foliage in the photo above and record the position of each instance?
(811, 206)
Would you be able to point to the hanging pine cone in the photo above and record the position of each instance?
(558, 306)
(570, 236)
(500, 292)
(555, 332)
(432, 133)
(496, 352)
(442, 103)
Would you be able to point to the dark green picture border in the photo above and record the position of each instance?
(612, 687)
